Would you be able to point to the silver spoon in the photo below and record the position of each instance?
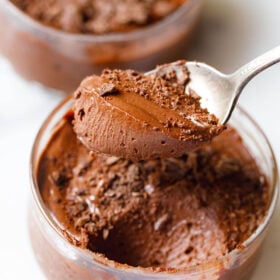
(219, 92)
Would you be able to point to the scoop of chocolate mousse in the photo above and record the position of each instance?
(132, 115)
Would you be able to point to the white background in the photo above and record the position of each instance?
(232, 32)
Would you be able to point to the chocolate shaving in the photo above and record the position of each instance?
(108, 89)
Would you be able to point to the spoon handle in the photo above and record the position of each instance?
(244, 74)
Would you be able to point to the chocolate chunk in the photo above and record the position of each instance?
(112, 160)
(107, 89)
(80, 222)
(60, 178)
(161, 223)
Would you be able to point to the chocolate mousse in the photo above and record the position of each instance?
(137, 116)
(161, 213)
(98, 16)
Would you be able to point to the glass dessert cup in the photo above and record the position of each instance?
(61, 260)
(61, 60)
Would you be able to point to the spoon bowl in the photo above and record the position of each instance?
(214, 88)
(219, 92)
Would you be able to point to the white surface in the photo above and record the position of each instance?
(232, 33)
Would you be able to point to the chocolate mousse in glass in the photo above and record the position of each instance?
(58, 43)
(201, 215)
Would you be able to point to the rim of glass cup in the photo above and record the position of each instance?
(110, 264)
(90, 38)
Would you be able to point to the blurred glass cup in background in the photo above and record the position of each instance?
(60, 60)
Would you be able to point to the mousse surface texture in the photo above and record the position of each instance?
(167, 213)
(136, 116)
(98, 16)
